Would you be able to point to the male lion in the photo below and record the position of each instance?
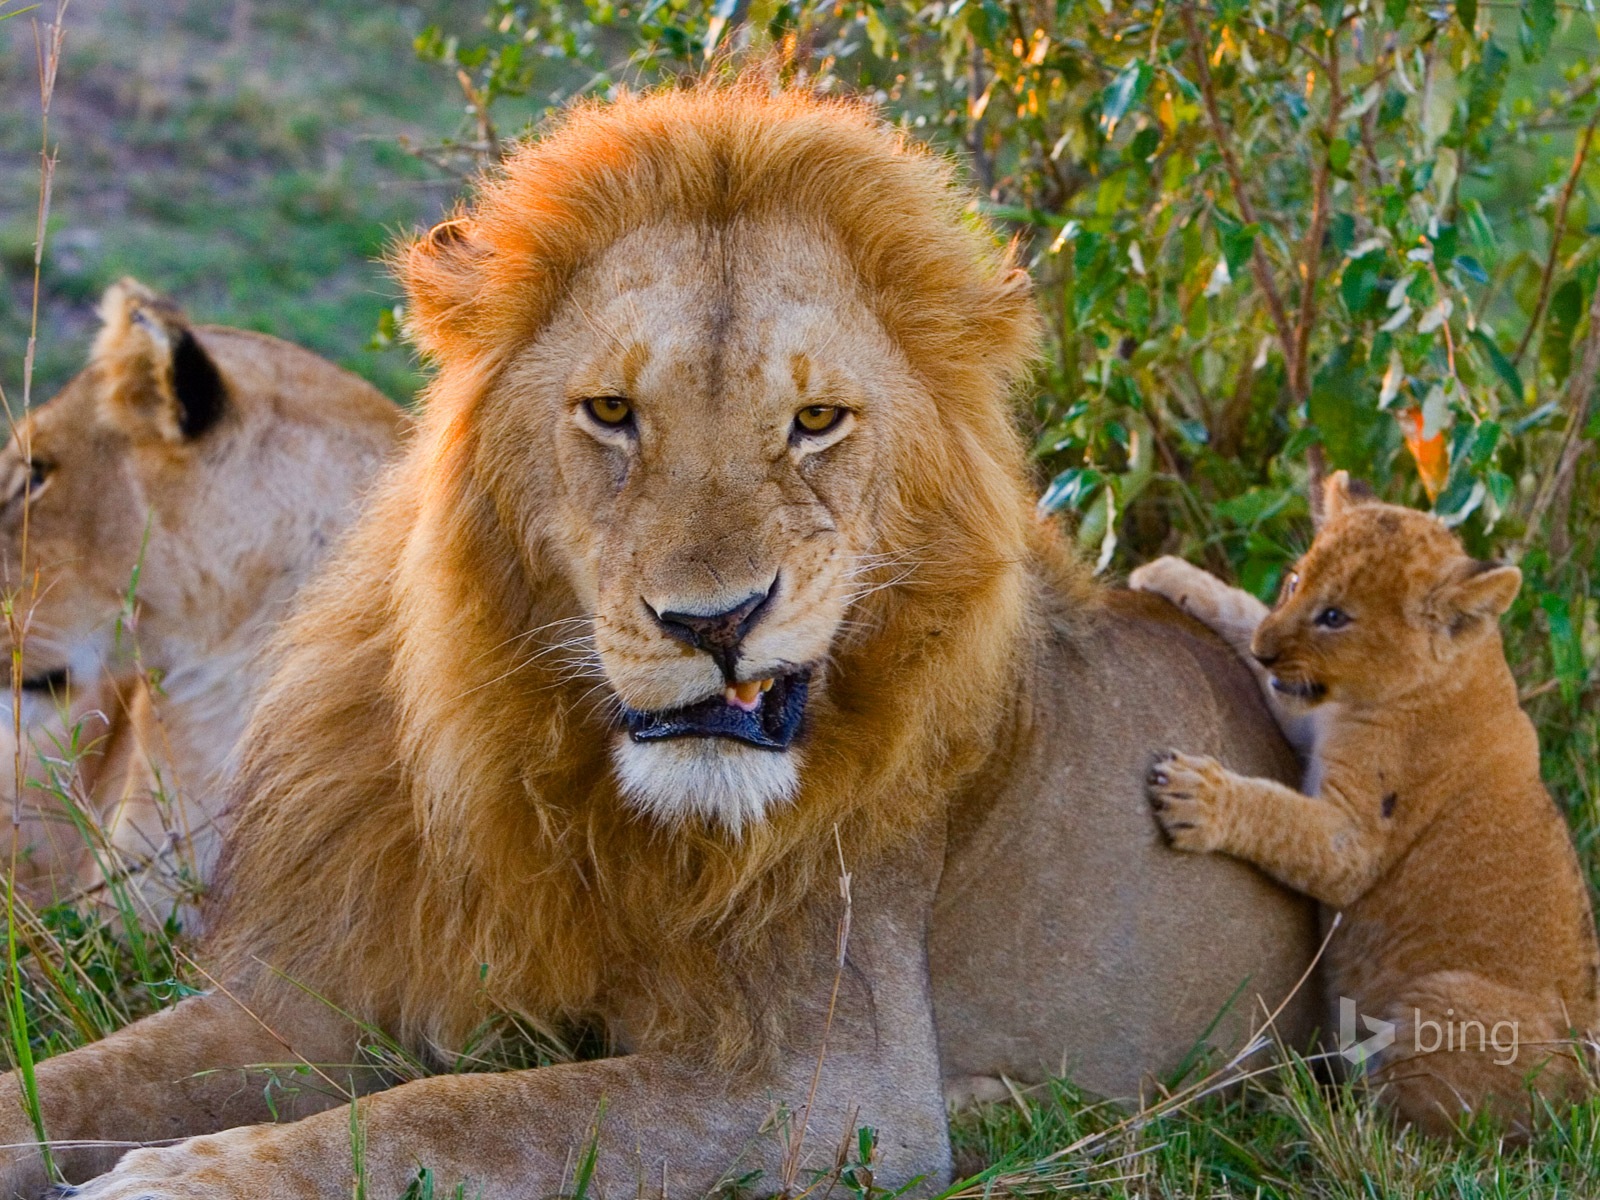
(712, 574)
(201, 470)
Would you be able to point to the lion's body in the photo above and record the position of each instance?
(445, 812)
(1466, 919)
(201, 472)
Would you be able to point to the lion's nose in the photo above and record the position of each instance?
(720, 633)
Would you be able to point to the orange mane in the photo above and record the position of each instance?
(428, 831)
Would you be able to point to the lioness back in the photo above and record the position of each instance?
(159, 514)
(1466, 930)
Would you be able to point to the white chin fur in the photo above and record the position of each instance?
(714, 779)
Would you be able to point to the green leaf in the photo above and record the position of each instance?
(1499, 363)
(1480, 230)
(1073, 488)
(1345, 409)
(1471, 268)
(1237, 247)
(1467, 13)
(1339, 157)
(1361, 286)
(1566, 646)
(1566, 308)
(1488, 85)
(1537, 26)
(1144, 145)
(1125, 90)
(1395, 10)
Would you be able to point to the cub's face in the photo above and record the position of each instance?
(718, 415)
(1385, 603)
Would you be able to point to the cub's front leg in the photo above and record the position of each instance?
(1323, 845)
(1229, 612)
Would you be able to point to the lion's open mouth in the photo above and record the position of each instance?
(1300, 689)
(765, 713)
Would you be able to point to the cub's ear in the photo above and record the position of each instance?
(1478, 591)
(1340, 492)
(157, 381)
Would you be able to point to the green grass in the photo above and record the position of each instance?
(242, 158)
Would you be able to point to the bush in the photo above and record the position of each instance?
(1270, 239)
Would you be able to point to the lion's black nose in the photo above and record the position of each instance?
(718, 634)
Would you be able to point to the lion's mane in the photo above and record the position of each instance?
(427, 829)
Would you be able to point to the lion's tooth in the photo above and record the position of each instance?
(766, 685)
(746, 695)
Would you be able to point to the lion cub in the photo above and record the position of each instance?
(1467, 944)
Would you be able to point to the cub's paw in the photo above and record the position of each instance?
(1186, 791)
(1174, 580)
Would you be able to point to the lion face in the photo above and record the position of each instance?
(1384, 604)
(717, 450)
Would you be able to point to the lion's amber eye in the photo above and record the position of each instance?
(819, 418)
(609, 410)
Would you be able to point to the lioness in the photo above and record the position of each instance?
(711, 579)
(200, 471)
(1466, 916)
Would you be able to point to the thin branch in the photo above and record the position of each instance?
(1580, 400)
(1557, 231)
(1311, 261)
(1258, 259)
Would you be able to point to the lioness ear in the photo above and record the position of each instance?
(157, 380)
(1479, 591)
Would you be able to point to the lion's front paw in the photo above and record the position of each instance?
(234, 1165)
(1187, 791)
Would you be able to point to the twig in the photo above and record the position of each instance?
(1310, 261)
(1580, 398)
(1557, 231)
(1258, 258)
(791, 1159)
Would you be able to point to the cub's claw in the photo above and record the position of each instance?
(1185, 793)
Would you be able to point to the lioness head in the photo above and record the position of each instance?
(189, 470)
(728, 382)
(1384, 603)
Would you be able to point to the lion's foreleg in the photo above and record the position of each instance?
(646, 1123)
(204, 1065)
(1318, 845)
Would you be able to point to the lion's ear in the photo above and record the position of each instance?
(157, 380)
(1477, 591)
(442, 273)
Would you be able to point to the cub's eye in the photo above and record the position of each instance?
(1333, 618)
(612, 411)
(819, 418)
